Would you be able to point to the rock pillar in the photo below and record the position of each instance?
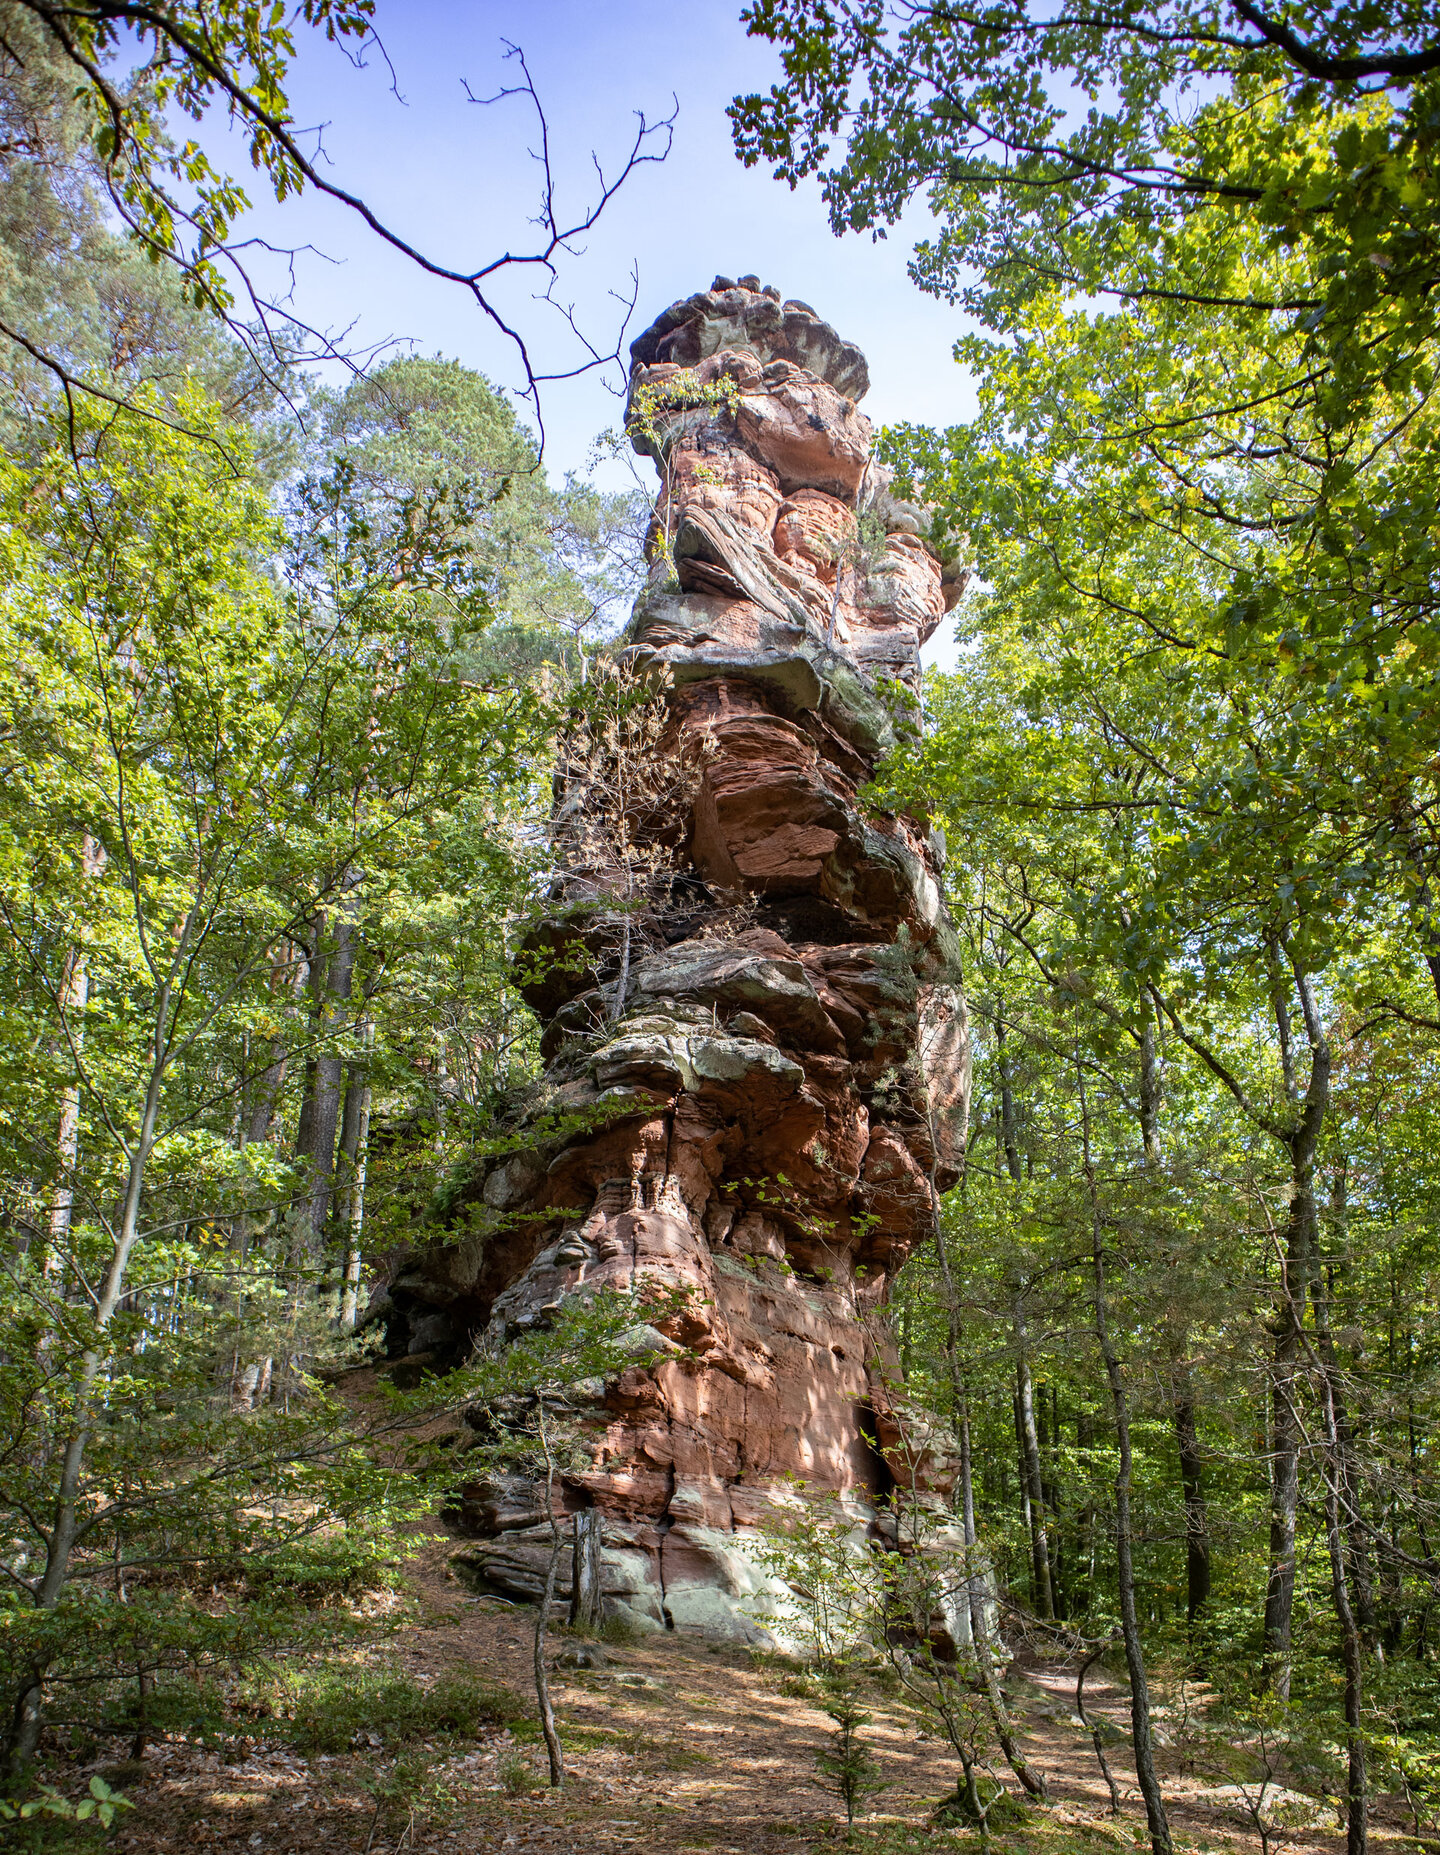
(768, 1022)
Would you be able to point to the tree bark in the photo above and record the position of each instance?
(1422, 906)
(65, 1528)
(586, 1605)
(975, 1590)
(331, 974)
(74, 996)
(354, 1153)
(267, 1093)
(1140, 1734)
(1032, 1478)
(1150, 1084)
(1284, 1460)
(1298, 1131)
(1357, 1802)
(1032, 1488)
(1192, 1487)
(1032, 1780)
(1007, 1102)
(1336, 1259)
(67, 1145)
(553, 1749)
(1300, 1245)
(287, 975)
(1340, 1538)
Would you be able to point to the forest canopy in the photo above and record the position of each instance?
(1186, 769)
(285, 657)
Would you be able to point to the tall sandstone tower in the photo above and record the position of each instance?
(774, 1044)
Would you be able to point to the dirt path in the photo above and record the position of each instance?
(673, 1749)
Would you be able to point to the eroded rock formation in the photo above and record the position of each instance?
(780, 1044)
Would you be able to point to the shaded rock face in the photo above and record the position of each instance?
(779, 1064)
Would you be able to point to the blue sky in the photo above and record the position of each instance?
(457, 181)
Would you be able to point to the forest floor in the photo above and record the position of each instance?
(673, 1748)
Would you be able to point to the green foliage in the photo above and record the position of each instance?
(1187, 766)
(246, 731)
(333, 1707)
(188, 61)
(1173, 157)
(847, 1766)
(102, 1804)
(852, 1600)
(657, 404)
(818, 1552)
(1206, 433)
(518, 1777)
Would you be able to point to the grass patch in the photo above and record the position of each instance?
(587, 1738)
(1039, 1835)
(633, 1741)
(620, 1631)
(776, 1662)
(47, 1835)
(518, 1775)
(682, 1758)
(333, 1707)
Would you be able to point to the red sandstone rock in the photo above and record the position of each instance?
(794, 1092)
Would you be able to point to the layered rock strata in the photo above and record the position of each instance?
(776, 1057)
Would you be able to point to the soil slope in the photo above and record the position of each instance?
(672, 1747)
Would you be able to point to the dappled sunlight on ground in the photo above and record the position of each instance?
(673, 1748)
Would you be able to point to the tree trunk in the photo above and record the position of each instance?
(330, 980)
(27, 1717)
(1085, 1519)
(287, 974)
(1150, 1084)
(1032, 1780)
(67, 1146)
(1192, 1484)
(1422, 903)
(1341, 1530)
(1285, 1451)
(553, 1749)
(622, 979)
(1032, 1489)
(74, 996)
(586, 1604)
(1300, 1246)
(1339, 1503)
(1030, 1470)
(267, 1092)
(1357, 1803)
(1192, 1487)
(1053, 1492)
(1336, 1254)
(1007, 1103)
(354, 1150)
(975, 1590)
(1140, 1735)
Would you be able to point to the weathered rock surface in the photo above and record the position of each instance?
(782, 1053)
